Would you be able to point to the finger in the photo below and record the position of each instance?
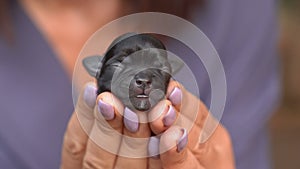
(154, 161)
(74, 144)
(208, 140)
(162, 116)
(80, 123)
(217, 148)
(192, 112)
(174, 93)
(175, 153)
(105, 136)
(195, 117)
(169, 116)
(133, 150)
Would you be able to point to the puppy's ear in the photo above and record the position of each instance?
(92, 64)
(176, 64)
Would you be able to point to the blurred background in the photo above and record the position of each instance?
(285, 125)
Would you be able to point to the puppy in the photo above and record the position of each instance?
(135, 68)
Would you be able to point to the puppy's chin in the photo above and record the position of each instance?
(146, 103)
(141, 104)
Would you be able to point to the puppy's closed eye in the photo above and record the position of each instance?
(134, 69)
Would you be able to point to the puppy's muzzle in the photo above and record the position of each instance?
(140, 88)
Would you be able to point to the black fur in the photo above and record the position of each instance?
(134, 67)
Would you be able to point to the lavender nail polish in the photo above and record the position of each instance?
(175, 96)
(153, 147)
(182, 141)
(131, 120)
(90, 95)
(170, 117)
(106, 110)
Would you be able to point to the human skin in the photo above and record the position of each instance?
(65, 26)
(80, 151)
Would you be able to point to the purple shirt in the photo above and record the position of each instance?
(36, 100)
(245, 35)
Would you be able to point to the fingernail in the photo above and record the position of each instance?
(106, 110)
(153, 147)
(90, 95)
(170, 117)
(175, 96)
(131, 121)
(182, 142)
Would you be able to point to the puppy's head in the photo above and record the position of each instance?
(135, 68)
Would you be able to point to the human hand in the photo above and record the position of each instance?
(179, 148)
(208, 145)
(103, 122)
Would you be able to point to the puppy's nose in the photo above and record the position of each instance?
(143, 80)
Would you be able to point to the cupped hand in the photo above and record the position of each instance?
(194, 140)
(102, 133)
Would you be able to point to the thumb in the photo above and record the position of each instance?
(176, 155)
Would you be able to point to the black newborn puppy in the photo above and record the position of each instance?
(135, 68)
